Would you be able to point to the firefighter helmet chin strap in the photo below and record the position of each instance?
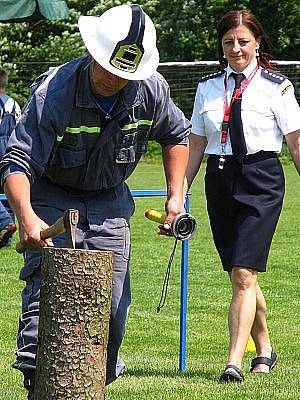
(129, 51)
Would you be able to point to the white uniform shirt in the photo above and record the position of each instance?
(9, 105)
(269, 110)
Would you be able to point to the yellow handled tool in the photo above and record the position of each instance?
(154, 216)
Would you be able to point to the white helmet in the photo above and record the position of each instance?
(123, 41)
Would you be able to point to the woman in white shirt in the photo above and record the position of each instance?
(239, 121)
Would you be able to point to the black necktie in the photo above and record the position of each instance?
(238, 144)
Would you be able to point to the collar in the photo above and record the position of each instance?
(130, 95)
(247, 71)
(84, 94)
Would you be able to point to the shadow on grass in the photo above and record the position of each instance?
(208, 375)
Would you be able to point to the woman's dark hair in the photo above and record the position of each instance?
(233, 19)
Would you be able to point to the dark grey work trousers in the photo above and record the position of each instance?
(94, 232)
(244, 201)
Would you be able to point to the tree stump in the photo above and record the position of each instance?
(75, 302)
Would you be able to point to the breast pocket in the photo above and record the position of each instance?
(213, 114)
(256, 115)
(125, 148)
(68, 156)
(131, 146)
(256, 107)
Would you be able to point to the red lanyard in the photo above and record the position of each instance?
(237, 94)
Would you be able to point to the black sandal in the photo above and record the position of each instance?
(270, 362)
(232, 374)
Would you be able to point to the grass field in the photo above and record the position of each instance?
(151, 345)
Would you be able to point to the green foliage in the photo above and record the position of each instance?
(22, 44)
(154, 151)
(285, 155)
(187, 28)
(280, 20)
(186, 31)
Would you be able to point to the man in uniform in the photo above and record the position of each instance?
(85, 128)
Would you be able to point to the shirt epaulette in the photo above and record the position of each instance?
(212, 76)
(273, 76)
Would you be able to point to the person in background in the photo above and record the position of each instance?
(85, 128)
(10, 113)
(240, 117)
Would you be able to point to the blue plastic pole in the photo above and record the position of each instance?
(183, 297)
(184, 278)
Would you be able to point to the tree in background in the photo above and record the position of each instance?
(187, 28)
(186, 32)
(281, 18)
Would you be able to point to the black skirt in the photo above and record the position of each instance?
(244, 201)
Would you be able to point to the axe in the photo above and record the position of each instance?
(67, 223)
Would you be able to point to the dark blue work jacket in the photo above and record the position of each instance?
(60, 136)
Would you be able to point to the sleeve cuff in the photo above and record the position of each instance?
(13, 169)
(198, 132)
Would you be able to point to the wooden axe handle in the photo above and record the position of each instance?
(54, 230)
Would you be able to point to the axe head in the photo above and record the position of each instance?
(71, 218)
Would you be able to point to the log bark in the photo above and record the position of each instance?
(75, 302)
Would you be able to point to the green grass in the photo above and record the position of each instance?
(151, 345)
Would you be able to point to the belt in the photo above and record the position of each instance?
(250, 158)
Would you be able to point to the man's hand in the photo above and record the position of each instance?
(175, 159)
(173, 208)
(30, 232)
(17, 190)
